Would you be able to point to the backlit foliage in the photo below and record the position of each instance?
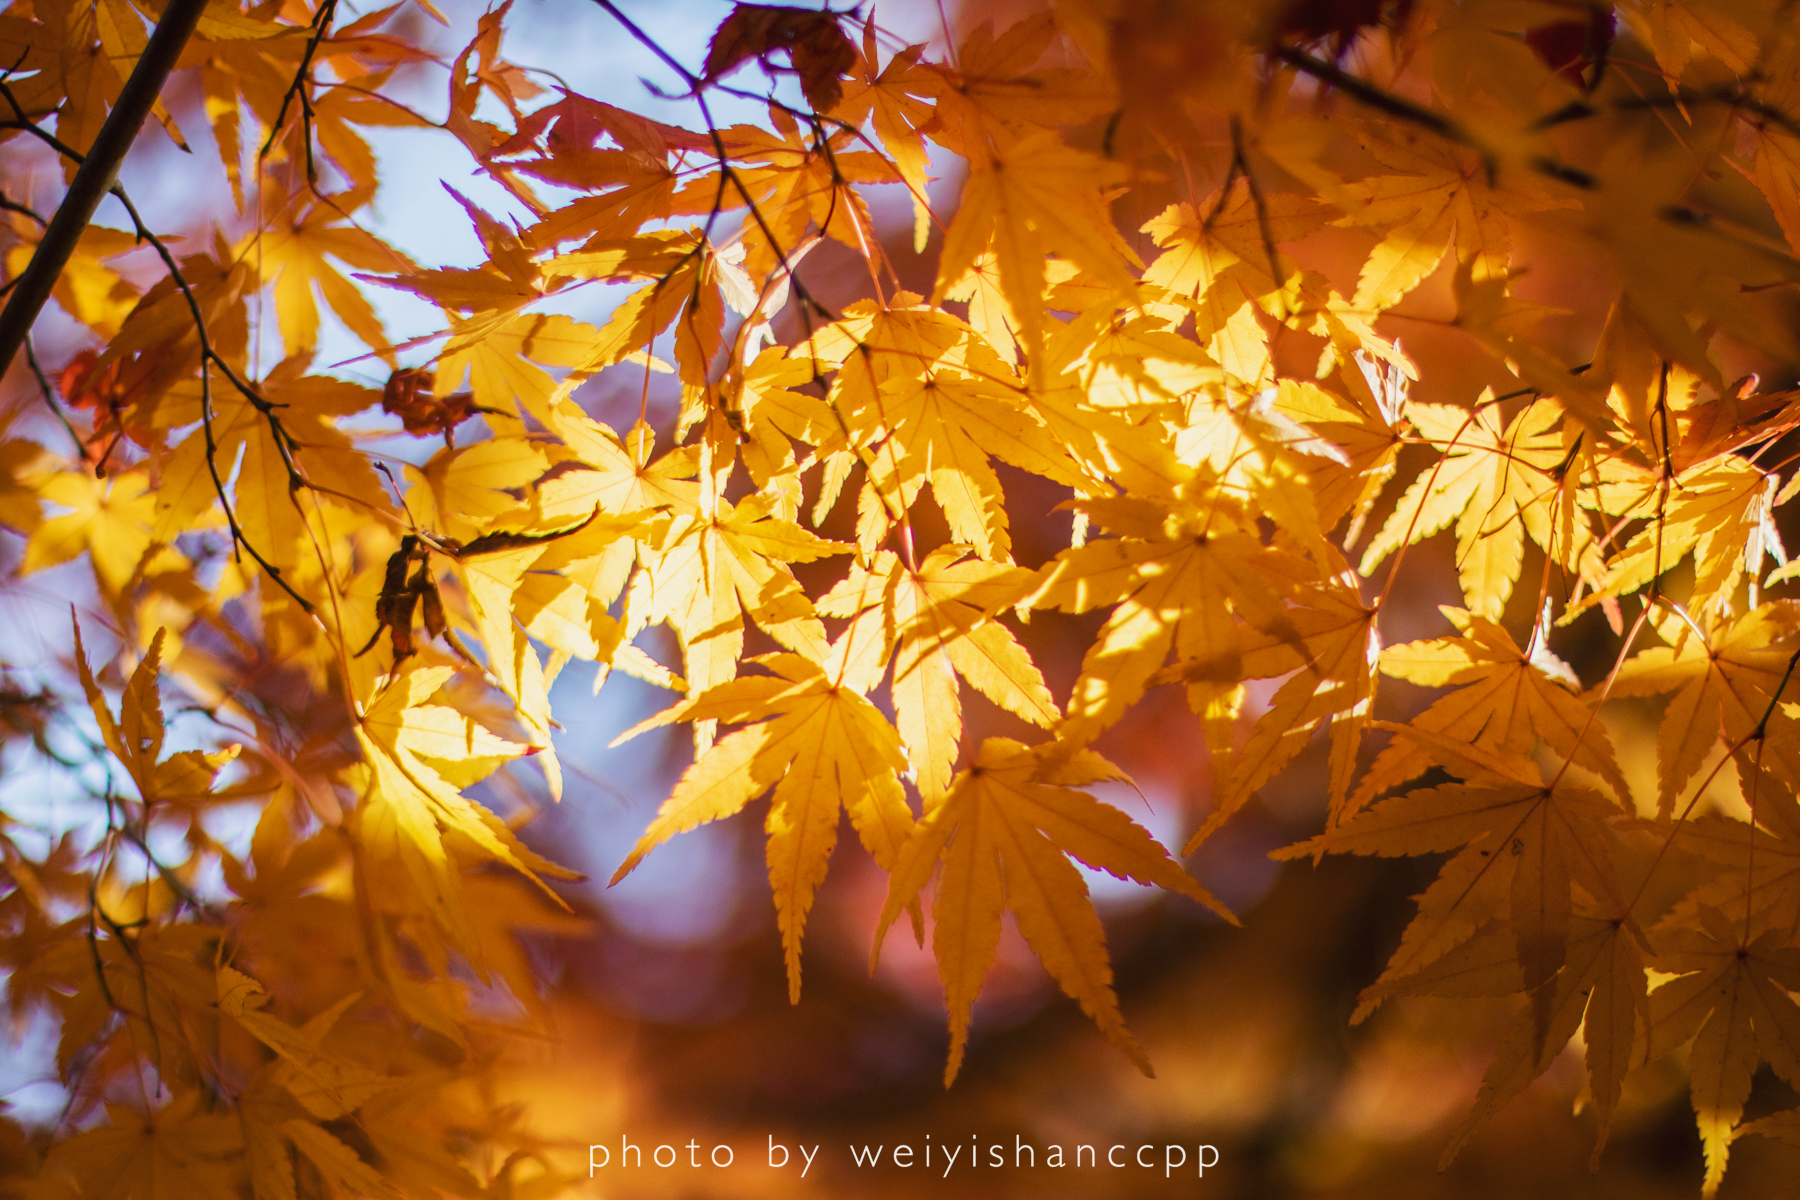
(1227, 418)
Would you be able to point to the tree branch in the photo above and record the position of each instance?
(97, 174)
(1417, 114)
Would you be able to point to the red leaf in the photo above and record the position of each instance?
(816, 47)
(1570, 47)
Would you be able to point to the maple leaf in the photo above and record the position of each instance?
(1761, 878)
(1497, 485)
(943, 427)
(1223, 424)
(1713, 510)
(1458, 943)
(496, 583)
(896, 98)
(800, 183)
(1724, 424)
(1776, 167)
(496, 352)
(92, 292)
(815, 45)
(636, 182)
(1556, 832)
(507, 281)
(1782, 1125)
(1506, 700)
(309, 448)
(712, 572)
(684, 266)
(1226, 262)
(109, 519)
(295, 259)
(932, 624)
(1364, 426)
(1600, 988)
(480, 70)
(1138, 365)
(325, 1084)
(1439, 197)
(770, 417)
(461, 490)
(1332, 639)
(1723, 680)
(179, 1149)
(412, 805)
(822, 747)
(1732, 999)
(623, 474)
(1175, 580)
(1508, 328)
(994, 87)
(1030, 196)
(1004, 833)
(136, 736)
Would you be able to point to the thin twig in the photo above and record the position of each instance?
(50, 399)
(209, 358)
(8, 204)
(1417, 114)
(320, 22)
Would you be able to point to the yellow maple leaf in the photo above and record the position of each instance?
(1031, 196)
(943, 427)
(411, 805)
(1330, 635)
(1004, 835)
(1440, 196)
(1506, 700)
(684, 267)
(1723, 681)
(510, 279)
(310, 448)
(1732, 998)
(136, 737)
(499, 355)
(294, 255)
(932, 624)
(995, 86)
(466, 487)
(89, 290)
(1227, 264)
(1715, 510)
(1497, 485)
(710, 573)
(1600, 988)
(1364, 424)
(1182, 575)
(327, 1084)
(896, 99)
(623, 474)
(824, 749)
(801, 181)
(1555, 832)
(109, 519)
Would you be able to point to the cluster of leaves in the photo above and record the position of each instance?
(1223, 420)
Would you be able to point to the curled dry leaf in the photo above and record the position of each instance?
(816, 46)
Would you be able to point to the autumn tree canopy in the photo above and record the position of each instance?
(1200, 319)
